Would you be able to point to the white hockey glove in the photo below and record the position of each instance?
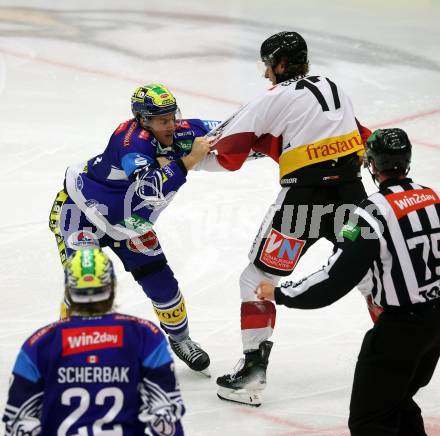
(149, 188)
(25, 427)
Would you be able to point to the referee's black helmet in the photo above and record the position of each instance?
(389, 149)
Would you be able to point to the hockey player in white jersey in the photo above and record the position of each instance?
(395, 235)
(306, 124)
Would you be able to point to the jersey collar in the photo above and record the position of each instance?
(392, 182)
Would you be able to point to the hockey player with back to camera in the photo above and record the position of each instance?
(307, 125)
(96, 372)
(114, 199)
(394, 234)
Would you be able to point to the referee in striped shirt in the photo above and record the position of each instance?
(393, 241)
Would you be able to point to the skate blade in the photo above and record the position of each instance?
(241, 396)
(206, 372)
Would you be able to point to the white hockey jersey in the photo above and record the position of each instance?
(297, 122)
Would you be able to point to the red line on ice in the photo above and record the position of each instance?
(114, 76)
(432, 425)
(203, 95)
(406, 118)
(300, 429)
(413, 117)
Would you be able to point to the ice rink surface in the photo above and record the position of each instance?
(67, 70)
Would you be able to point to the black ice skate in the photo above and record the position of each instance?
(192, 354)
(247, 381)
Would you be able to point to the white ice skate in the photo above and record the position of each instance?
(246, 383)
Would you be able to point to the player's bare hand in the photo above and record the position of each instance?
(200, 148)
(265, 291)
(213, 139)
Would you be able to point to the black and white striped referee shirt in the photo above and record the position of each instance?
(394, 237)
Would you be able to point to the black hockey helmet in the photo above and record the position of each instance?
(289, 45)
(389, 149)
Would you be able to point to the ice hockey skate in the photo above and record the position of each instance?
(192, 354)
(245, 384)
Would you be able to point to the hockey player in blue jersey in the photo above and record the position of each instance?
(114, 198)
(96, 372)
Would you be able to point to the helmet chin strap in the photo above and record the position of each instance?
(376, 183)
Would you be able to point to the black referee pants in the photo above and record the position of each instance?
(398, 356)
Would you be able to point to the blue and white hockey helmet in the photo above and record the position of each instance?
(152, 100)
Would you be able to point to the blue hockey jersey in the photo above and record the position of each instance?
(123, 190)
(86, 376)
